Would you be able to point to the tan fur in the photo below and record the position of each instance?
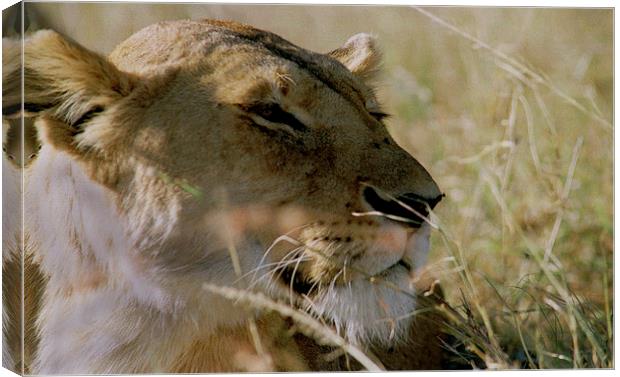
(193, 182)
(12, 145)
(19, 268)
(18, 306)
(234, 349)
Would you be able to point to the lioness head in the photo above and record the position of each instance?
(222, 153)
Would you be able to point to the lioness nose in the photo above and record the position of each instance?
(409, 208)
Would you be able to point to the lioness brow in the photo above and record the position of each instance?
(272, 112)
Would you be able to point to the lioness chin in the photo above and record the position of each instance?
(213, 152)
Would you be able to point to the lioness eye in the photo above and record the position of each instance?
(274, 113)
(378, 115)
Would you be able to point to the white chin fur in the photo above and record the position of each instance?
(364, 312)
(418, 246)
(379, 312)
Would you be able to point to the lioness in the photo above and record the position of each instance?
(212, 152)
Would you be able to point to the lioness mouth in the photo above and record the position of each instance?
(301, 286)
(388, 270)
(405, 264)
(294, 279)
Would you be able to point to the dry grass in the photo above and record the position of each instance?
(521, 119)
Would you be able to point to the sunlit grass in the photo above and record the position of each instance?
(525, 161)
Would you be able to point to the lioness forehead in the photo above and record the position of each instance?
(189, 43)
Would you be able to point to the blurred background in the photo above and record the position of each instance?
(510, 109)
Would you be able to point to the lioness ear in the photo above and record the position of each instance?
(360, 55)
(60, 76)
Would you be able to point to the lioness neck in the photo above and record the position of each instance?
(102, 312)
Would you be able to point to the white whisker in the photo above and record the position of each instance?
(279, 267)
(293, 280)
(284, 237)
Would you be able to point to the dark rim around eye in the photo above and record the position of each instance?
(378, 115)
(272, 112)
